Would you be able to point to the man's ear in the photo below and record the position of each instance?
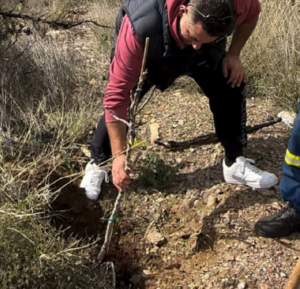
(182, 10)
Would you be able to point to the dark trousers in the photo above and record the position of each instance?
(290, 181)
(227, 104)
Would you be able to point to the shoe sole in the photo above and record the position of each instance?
(253, 185)
(267, 235)
(274, 236)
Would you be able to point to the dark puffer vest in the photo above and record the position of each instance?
(165, 61)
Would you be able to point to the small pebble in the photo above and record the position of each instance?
(178, 161)
(282, 275)
(242, 285)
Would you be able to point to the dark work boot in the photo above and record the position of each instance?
(279, 225)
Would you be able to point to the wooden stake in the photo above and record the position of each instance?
(294, 280)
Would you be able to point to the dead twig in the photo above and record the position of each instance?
(211, 137)
(52, 23)
(131, 137)
(146, 101)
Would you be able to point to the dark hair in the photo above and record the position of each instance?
(217, 8)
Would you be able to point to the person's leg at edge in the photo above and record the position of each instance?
(228, 106)
(287, 220)
(96, 170)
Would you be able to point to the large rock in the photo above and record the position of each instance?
(156, 238)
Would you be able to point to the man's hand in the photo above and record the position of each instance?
(237, 71)
(121, 179)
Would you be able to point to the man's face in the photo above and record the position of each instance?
(192, 34)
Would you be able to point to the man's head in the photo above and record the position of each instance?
(203, 21)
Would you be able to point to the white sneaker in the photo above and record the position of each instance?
(93, 179)
(243, 172)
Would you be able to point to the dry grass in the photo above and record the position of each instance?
(51, 90)
(272, 56)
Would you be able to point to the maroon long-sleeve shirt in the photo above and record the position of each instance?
(127, 62)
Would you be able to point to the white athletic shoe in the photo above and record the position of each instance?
(93, 179)
(243, 172)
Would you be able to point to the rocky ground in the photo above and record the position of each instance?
(181, 225)
(199, 229)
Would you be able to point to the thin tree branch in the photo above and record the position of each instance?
(63, 24)
(117, 118)
(211, 137)
(146, 101)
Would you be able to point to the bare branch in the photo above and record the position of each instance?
(211, 137)
(62, 24)
(117, 118)
(146, 101)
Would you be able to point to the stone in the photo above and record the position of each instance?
(230, 258)
(156, 238)
(283, 275)
(212, 201)
(154, 132)
(196, 203)
(244, 246)
(180, 122)
(242, 285)
(160, 200)
(154, 250)
(148, 274)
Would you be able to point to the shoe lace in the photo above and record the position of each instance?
(98, 176)
(249, 167)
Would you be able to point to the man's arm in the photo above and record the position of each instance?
(123, 75)
(240, 36)
(232, 60)
(247, 12)
(117, 136)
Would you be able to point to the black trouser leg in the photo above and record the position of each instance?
(228, 106)
(100, 145)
